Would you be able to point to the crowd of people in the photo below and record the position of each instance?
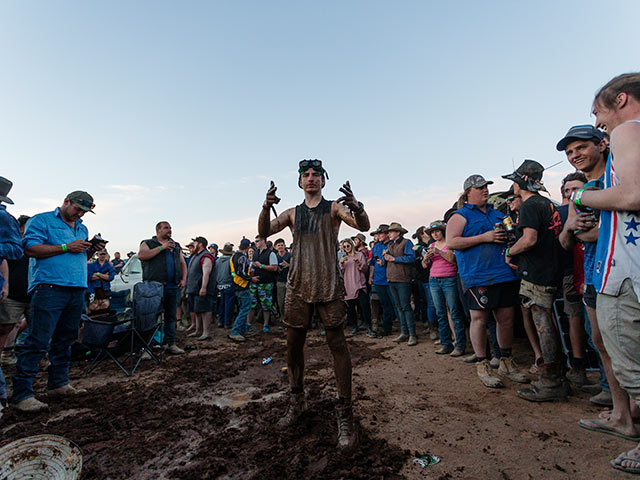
(467, 277)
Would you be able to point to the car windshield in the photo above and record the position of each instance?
(134, 266)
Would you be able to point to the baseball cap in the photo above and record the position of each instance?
(475, 181)
(214, 246)
(83, 200)
(580, 132)
(244, 243)
(200, 240)
(528, 176)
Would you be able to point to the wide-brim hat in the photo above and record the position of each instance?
(528, 176)
(437, 225)
(382, 228)
(360, 237)
(227, 249)
(396, 227)
(5, 188)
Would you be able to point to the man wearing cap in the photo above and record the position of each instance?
(213, 250)
(162, 261)
(616, 273)
(10, 249)
(535, 257)
(587, 150)
(242, 278)
(284, 260)
(224, 282)
(58, 243)
(378, 278)
(201, 288)
(314, 282)
(489, 284)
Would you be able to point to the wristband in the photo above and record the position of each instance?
(160, 247)
(506, 252)
(262, 266)
(64, 247)
(578, 197)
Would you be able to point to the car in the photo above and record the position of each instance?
(130, 274)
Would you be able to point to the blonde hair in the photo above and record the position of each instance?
(463, 198)
(350, 242)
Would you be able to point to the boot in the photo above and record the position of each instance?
(509, 369)
(403, 337)
(347, 437)
(548, 388)
(577, 376)
(486, 375)
(297, 405)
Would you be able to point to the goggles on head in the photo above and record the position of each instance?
(305, 165)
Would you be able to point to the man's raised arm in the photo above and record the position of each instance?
(350, 210)
(266, 226)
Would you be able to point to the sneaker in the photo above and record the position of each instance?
(65, 391)
(266, 329)
(444, 350)
(486, 375)
(495, 362)
(604, 399)
(146, 356)
(471, 359)
(433, 335)
(456, 353)
(412, 341)
(250, 332)
(174, 350)
(30, 405)
(371, 333)
(509, 369)
(237, 338)
(355, 331)
(403, 337)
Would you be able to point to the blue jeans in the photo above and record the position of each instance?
(401, 294)
(388, 309)
(432, 317)
(444, 291)
(53, 327)
(226, 306)
(171, 295)
(244, 307)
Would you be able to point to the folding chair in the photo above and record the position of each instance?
(147, 319)
(119, 301)
(100, 335)
(562, 321)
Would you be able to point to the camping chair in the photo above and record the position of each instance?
(105, 335)
(147, 320)
(119, 301)
(562, 321)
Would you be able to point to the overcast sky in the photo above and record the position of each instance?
(183, 111)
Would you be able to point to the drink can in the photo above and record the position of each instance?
(499, 227)
(508, 224)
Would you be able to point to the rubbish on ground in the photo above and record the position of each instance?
(41, 457)
(283, 370)
(266, 361)
(426, 460)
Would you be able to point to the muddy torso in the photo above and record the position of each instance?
(314, 276)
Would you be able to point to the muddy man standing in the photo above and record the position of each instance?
(314, 281)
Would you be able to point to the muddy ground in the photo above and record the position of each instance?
(211, 413)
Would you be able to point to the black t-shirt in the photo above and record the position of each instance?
(19, 279)
(421, 274)
(541, 263)
(282, 274)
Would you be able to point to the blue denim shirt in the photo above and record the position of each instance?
(379, 272)
(10, 243)
(66, 269)
(483, 264)
(96, 267)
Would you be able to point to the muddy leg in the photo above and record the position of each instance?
(295, 357)
(341, 361)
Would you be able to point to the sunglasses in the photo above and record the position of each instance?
(85, 203)
(512, 198)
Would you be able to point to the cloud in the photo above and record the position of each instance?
(129, 188)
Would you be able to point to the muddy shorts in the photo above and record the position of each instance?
(298, 313)
(572, 299)
(540, 295)
(11, 311)
(262, 294)
(500, 295)
(198, 304)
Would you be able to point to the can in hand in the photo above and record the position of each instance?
(508, 224)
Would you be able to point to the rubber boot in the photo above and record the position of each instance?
(347, 437)
(296, 407)
(549, 387)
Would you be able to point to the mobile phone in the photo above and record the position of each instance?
(97, 239)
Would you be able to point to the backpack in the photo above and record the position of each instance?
(237, 279)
